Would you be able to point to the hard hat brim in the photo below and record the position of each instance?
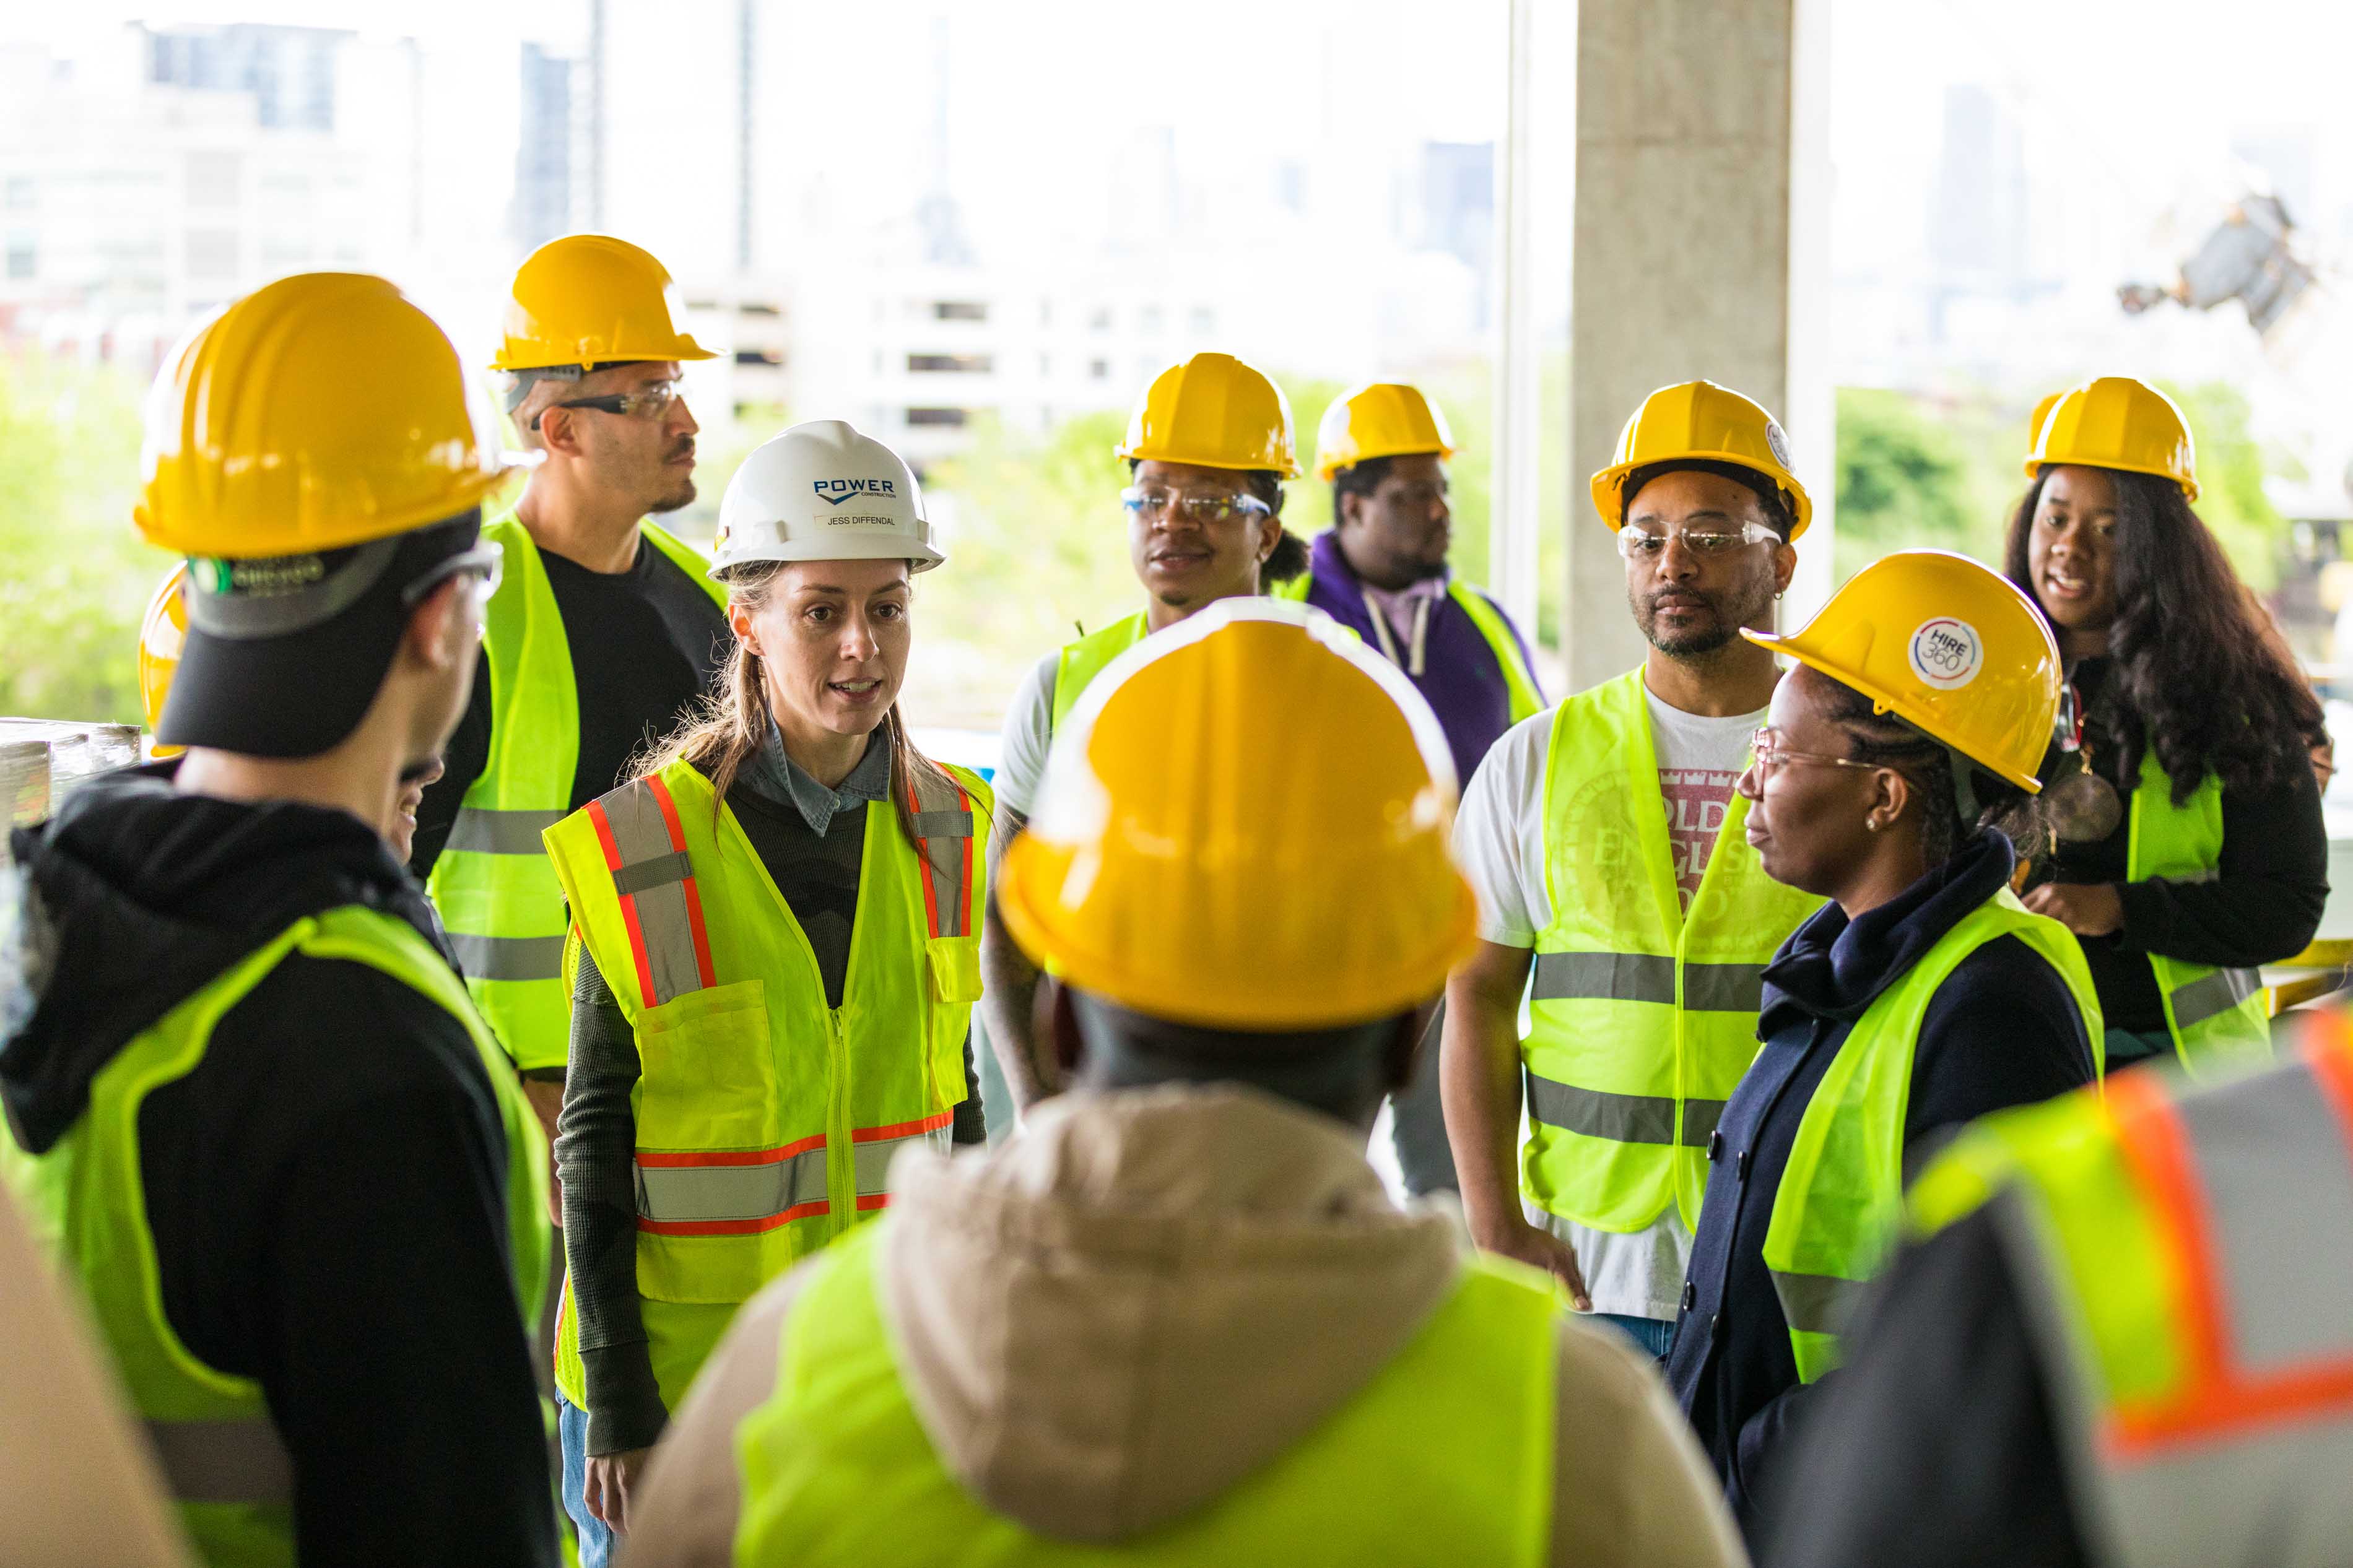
(920, 558)
(685, 350)
(1606, 485)
(1887, 702)
(2034, 467)
(1327, 466)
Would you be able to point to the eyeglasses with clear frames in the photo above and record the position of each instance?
(1646, 545)
(1143, 502)
(645, 403)
(1772, 756)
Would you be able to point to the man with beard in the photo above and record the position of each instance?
(1380, 570)
(1607, 845)
(605, 632)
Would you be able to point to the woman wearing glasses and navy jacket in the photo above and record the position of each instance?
(1207, 449)
(773, 957)
(1921, 996)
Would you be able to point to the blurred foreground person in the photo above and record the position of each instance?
(249, 1106)
(1178, 1321)
(1920, 997)
(2126, 1341)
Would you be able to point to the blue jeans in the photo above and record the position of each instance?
(1651, 1337)
(571, 1428)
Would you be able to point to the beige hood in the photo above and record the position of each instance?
(1145, 1298)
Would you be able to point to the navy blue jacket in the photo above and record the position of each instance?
(2003, 1029)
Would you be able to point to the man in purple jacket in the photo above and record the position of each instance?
(1381, 572)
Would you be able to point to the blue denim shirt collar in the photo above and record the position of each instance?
(780, 779)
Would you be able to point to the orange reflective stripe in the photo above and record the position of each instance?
(2220, 1397)
(734, 1226)
(670, 1159)
(903, 1128)
(730, 1192)
(877, 1149)
(629, 905)
(936, 799)
(694, 896)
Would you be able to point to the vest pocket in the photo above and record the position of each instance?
(955, 969)
(955, 963)
(710, 1076)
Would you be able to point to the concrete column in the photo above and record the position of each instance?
(1701, 197)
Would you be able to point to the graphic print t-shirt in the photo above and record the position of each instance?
(1699, 761)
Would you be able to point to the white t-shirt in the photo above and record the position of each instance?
(1029, 734)
(1500, 838)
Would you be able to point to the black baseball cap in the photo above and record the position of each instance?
(284, 654)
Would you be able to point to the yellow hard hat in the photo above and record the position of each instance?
(589, 299)
(1950, 647)
(1380, 419)
(165, 627)
(1245, 824)
(1698, 421)
(2115, 421)
(322, 411)
(1214, 412)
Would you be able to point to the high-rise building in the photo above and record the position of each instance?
(289, 73)
(542, 208)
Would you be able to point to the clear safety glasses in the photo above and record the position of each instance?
(1648, 544)
(645, 403)
(1772, 756)
(1152, 503)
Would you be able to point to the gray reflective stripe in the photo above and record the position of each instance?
(501, 832)
(2272, 1498)
(1817, 1303)
(641, 876)
(508, 957)
(689, 1193)
(1647, 977)
(1722, 987)
(666, 934)
(224, 1461)
(2285, 1286)
(1620, 1118)
(1604, 976)
(874, 1156)
(2214, 995)
(943, 823)
(946, 857)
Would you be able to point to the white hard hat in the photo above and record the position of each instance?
(821, 492)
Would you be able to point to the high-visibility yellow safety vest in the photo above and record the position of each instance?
(2216, 1016)
(221, 1454)
(766, 1120)
(2184, 1253)
(1519, 681)
(497, 894)
(1087, 658)
(1446, 1457)
(1839, 1205)
(1643, 1015)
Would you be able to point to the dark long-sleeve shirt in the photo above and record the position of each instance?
(2263, 905)
(645, 646)
(811, 842)
(2001, 1030)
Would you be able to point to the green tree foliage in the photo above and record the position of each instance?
(2232, 468)
(78, 577)
(1904, 481)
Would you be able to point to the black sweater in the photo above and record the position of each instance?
(2263, 905)
(2002, 1029)
(326, 1190)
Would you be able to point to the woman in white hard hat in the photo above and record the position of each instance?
(773, 954)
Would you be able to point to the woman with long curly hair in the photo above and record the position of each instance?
(2180, 838)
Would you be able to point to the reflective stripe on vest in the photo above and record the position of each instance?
(767, 1119)
(2185, 1257)
(1643, 1013)
(1444, 1454)
(1841, 1198)
(499, 898)
(2216, 1016)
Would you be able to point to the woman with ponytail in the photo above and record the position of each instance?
(2181, 838)
(774, 956)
